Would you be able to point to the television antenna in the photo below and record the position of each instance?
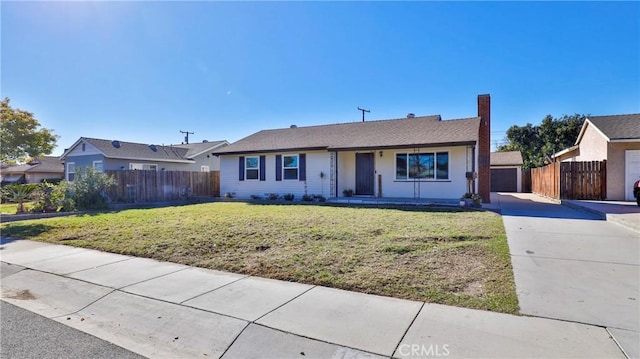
(363, 111)
(186, 138)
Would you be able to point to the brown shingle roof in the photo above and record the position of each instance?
(618, 127)
(509, 158)
(425, 131)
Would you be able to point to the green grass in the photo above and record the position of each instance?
(446, 256)
(12, 208)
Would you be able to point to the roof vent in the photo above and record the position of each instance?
(153, 148)
(205, 141)
(115, 144)
(293, 126)
(411, 115)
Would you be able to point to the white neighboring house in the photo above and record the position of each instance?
(616, 139)
(119, 155)
(414, 157)
(506, 171)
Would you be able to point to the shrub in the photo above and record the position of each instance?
(307, 197)
(88, 188)
(19, 193)
(289, 197)
(273, 196)
(255, 196)
(348, 192)
(228, 195)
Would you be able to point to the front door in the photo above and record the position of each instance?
(364, 174)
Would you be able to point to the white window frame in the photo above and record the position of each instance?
(247, 168)
(204, 169)
(297, 167)
(71, 169)
(101, 166)
(143, 166)
(435, 166)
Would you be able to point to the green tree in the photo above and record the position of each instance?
(537, 143)
(21, 135)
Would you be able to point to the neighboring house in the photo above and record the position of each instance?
(413, 157)
(615, 139)
(119, 155)
(39, 169)
(506, 171)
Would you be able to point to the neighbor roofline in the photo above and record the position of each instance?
(565, 151)
(211, 148)
(584, 128)
(81, 139)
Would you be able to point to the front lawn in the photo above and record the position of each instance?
(12, 208)
(446, 256)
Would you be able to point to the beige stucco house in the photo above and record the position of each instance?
(615, 139)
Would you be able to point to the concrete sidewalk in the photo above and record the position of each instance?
(624, 213)
(160, 309)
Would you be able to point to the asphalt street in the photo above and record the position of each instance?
(25, 334)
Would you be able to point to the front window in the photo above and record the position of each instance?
(98, 166)
(290, 167)
(252, 168)
(143, 166)
(71, 171)
(422, 166)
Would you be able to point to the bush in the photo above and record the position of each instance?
(273, 196)
(348, 192)
(19, 193)
(88, 189)
(307, 197)
(289, 197)
(228, 195)
(255, 196)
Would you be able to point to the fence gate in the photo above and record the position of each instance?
(571, 180)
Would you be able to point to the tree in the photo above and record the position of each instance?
(537, 143)
(21, 135)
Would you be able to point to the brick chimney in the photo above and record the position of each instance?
(484, 148)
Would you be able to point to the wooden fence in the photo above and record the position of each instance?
(571, 180)
(526, 180)
(136, 186)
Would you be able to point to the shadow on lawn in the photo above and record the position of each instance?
(22, 231)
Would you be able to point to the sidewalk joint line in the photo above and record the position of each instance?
(617, 343)
(99, 266)
(214, 289)
(234, 339)
(574, 260)
(148, 279)
(409, 327)
(283, 304)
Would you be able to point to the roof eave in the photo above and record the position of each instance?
(417, 145)
(270, 151)
(150, 159)
(212, 148)
(625, 140)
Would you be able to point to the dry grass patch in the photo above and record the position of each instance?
(447, 256)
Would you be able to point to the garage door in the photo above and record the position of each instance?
(504, 180)
(631, 171)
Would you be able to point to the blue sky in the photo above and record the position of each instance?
(143, 71)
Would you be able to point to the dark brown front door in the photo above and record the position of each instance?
(364, 174)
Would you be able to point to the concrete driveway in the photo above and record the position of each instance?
(574, 266)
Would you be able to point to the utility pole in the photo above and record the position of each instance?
(186, 138)
(363, 111)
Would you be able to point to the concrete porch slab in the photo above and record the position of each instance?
(628, 340)
(249, 298)
(75, 262)
(157, 329)
(180, 286)
(131, 271)
(49, 295)
(467, 333)
(366, 322)
(260, 342)
(7, 269)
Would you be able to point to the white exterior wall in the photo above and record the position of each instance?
(454, 187)
(316, 162)
(320, 161)
(212, 161)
